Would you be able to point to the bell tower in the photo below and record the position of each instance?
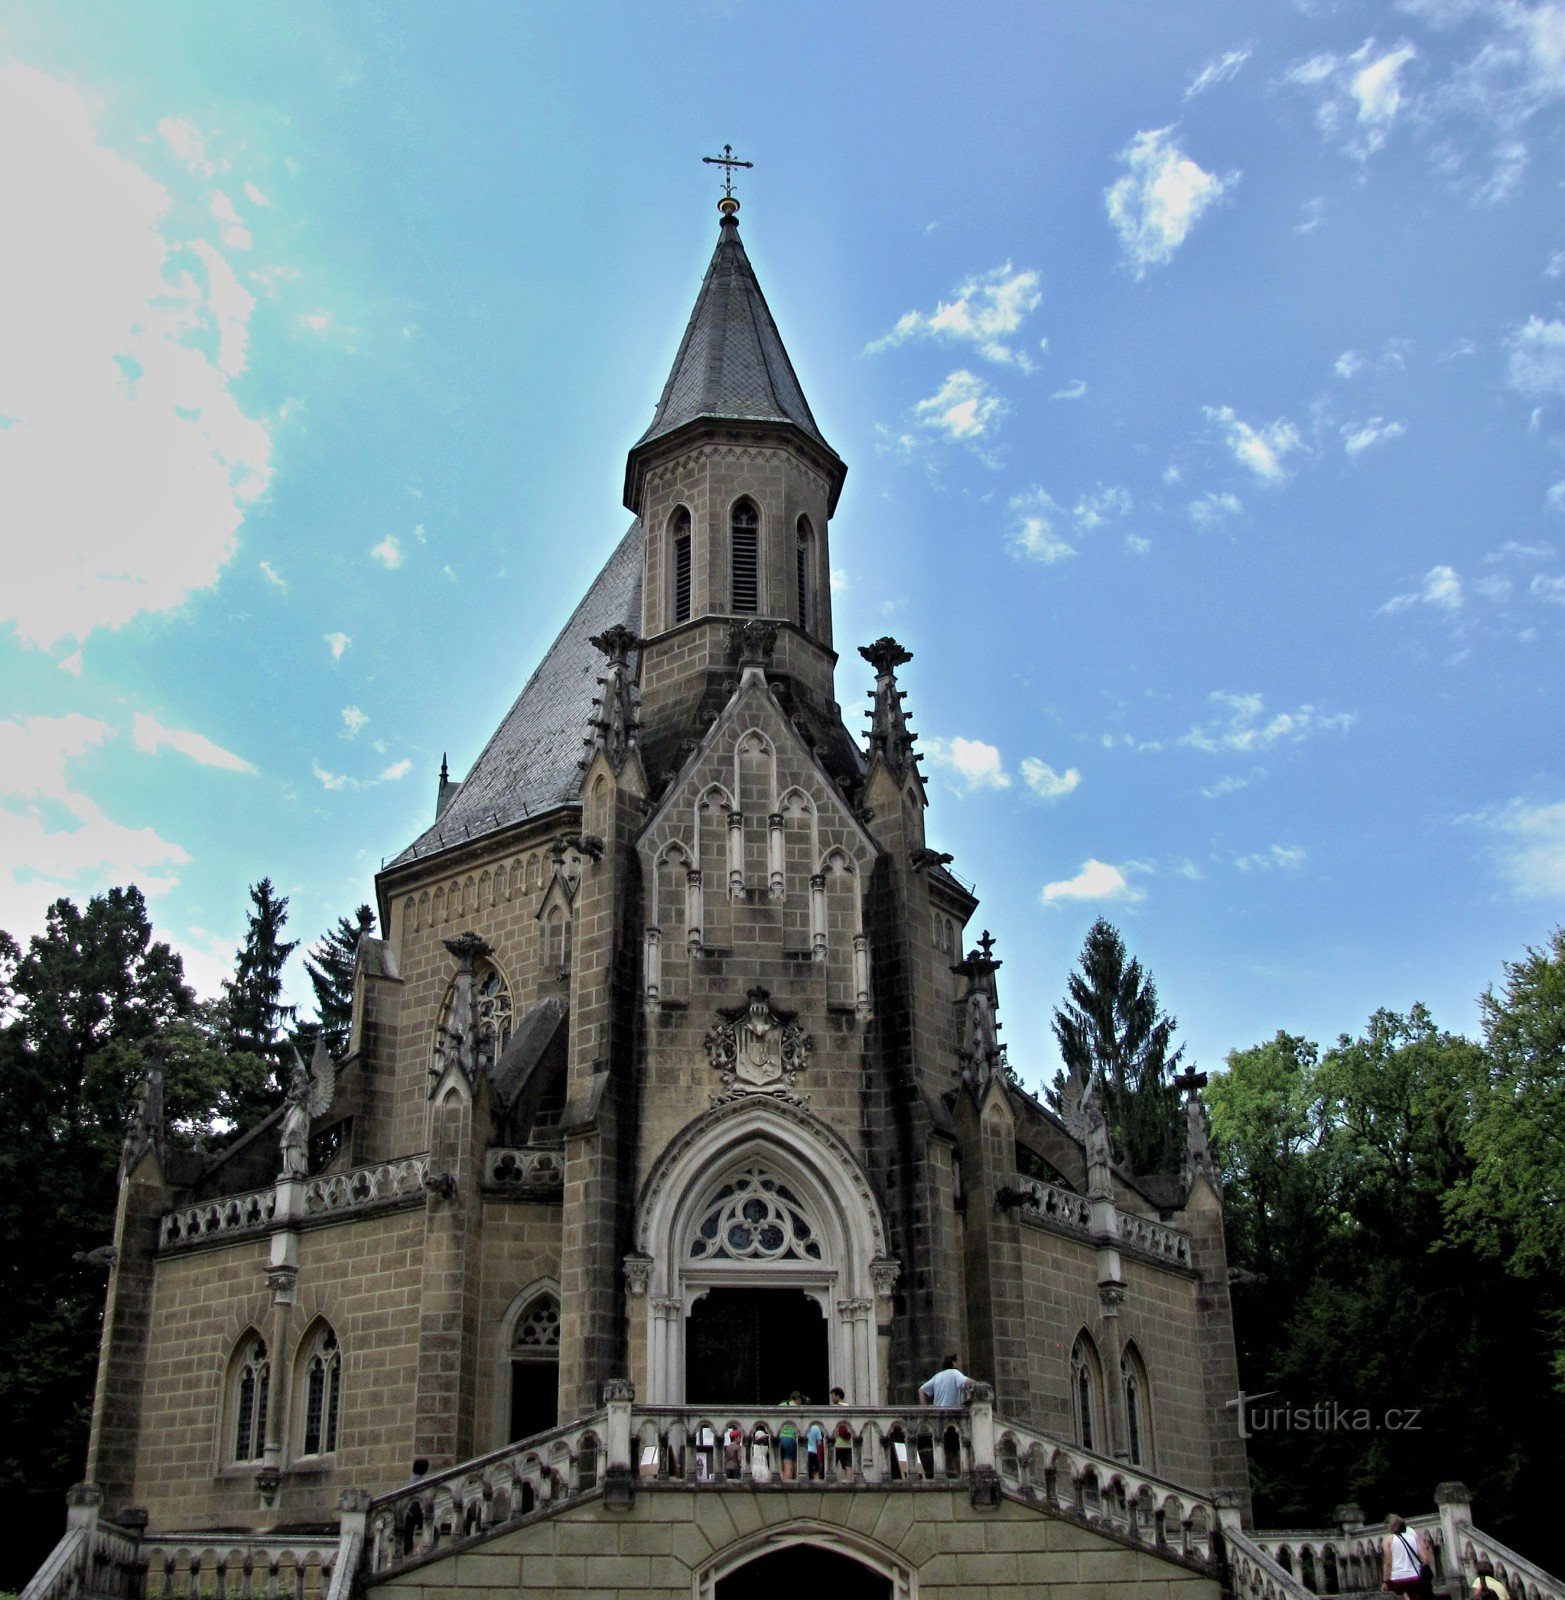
(735, 487)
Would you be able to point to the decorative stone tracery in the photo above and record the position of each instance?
(754, 1217)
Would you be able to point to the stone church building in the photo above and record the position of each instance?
(673, 1090)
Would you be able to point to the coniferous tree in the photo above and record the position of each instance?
(1112, 1030)
(329, 964)
(254, 1013)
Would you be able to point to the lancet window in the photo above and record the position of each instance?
(492, 1014)
(321, 1377)
(1086, 1393)
(745, 548)
(534, 1358)
(1138, 1433)
(249, 1388)
(680, 541)
(755, 1217)
(801, 559)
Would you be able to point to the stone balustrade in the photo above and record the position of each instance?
(94, 1558)
(531, 1169)
(1524, 1579)
(480, 1494)
(1155, 1239)
(1254, 1574)
(238, 1567)
(1066, 1479)
(1049, 1202)
(366, 1186)
(229, 1214)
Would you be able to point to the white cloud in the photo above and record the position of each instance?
(1264, 450)
(1093, 510)
(1212, 510)
(1097, 880)
(1360, 94)
(337, 782)
(1045, 782)
(1160, 198)
(1510, 162)
(985, 312)
(57, 841)
(124, 456)
(963, 407)
(151, 736)
(389, 553)
(839, 579)
(397, 769)
(1137, 544)
(273, 576)
(184, 138)
(255, 196)
(318, 322)
(1311, 214)
(1537, 359)
(1279, 858)
(1349, 364)
(1246, 726)
(1037, 534)
(972, 763)
(1441, 588)
(1076, 389)
(353, 722)
(1229, 783)
(1358, 437)
(1532, 858)
(1547, 588)
(338, 642)
(1216, 72)
(234, 232)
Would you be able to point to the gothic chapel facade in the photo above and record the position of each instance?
(670, 1091)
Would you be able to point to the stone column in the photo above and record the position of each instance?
(619, 1486)
(1455, 1501)
(736, 855)
(777, 886)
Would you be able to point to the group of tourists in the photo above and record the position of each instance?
(1409, 1566)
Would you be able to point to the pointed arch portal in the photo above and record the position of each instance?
(803, 1569)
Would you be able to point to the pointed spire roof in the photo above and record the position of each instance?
(731, 364)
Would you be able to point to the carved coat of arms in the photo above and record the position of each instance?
(758, 1049)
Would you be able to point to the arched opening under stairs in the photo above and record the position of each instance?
(803, 1569)
(755, 1346)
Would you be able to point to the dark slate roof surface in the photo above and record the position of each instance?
(731, 361)
(525, 1048)
(531, 762)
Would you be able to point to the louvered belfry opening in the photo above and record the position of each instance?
(681, 565)
(801, 558)
(745, 526)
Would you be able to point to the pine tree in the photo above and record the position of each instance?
(329, 964)
(1111, 1029)
(255, 1016)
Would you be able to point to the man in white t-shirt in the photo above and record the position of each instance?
(947, 1387)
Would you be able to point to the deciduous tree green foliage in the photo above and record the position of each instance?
(1356, 1300)
(79, 1009)
(329, 965)
(1112, 1029)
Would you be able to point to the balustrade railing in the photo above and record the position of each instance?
(1052, 1203)
(1134, 1503)
(366, 1186)
(261, 1567)
(529, 1168)
(1525, 1579)
(1154, 1238)
(231, 1213)
(1255, 1574)
(93, 1561)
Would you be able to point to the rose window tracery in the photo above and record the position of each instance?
(755, 1217)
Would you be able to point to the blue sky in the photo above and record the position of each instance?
(1199, 369)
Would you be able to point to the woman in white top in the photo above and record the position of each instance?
(1405, 1555)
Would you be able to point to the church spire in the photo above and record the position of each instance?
(731, 368)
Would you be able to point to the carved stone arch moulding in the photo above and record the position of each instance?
(878, 1558)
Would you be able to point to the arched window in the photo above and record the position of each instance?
(754, 1217)
(745, 531)
(1086, 1392)
(534, 1358)
(250, 1383)
(801, 565)
(492, 1012)
(1138, 1418)
(557, 938)
(679, 546)
(320, 1392)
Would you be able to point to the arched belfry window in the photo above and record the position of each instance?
(801, 563)
(679, 541)
(1138, 1417)
(754, 1216)
(249, 1386)
(1086, 1380)
(320, 1375)
(745, 546)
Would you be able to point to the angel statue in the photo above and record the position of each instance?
(310, 1091)
(1097, 1139)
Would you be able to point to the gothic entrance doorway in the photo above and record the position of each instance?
(803, 1569)
(754, 1347)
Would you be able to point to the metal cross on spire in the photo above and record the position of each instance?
(727, 161)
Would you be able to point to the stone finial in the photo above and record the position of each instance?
(146, 1130)
(620, 1391)
(445, 789)
(1348, 1515)
(458, 1041)
(1198, 1132)
(1453, 1493)
(613, 725)
(890, 738)
(981, 1053)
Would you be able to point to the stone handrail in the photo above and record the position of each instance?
(62, 1571)
(937, 1443)
(1525, 1579)
(231, 1213)
(1155, 1239)
(1132, 1502)
(366, 1186)
(533, 1168)
(477, 1495)
(94, 1559)
(238, 1566)
(1255, 1575)
(1051, 1203)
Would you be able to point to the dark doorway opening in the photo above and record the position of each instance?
(535, 1398)
(754, 1347)
(803, 1569)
